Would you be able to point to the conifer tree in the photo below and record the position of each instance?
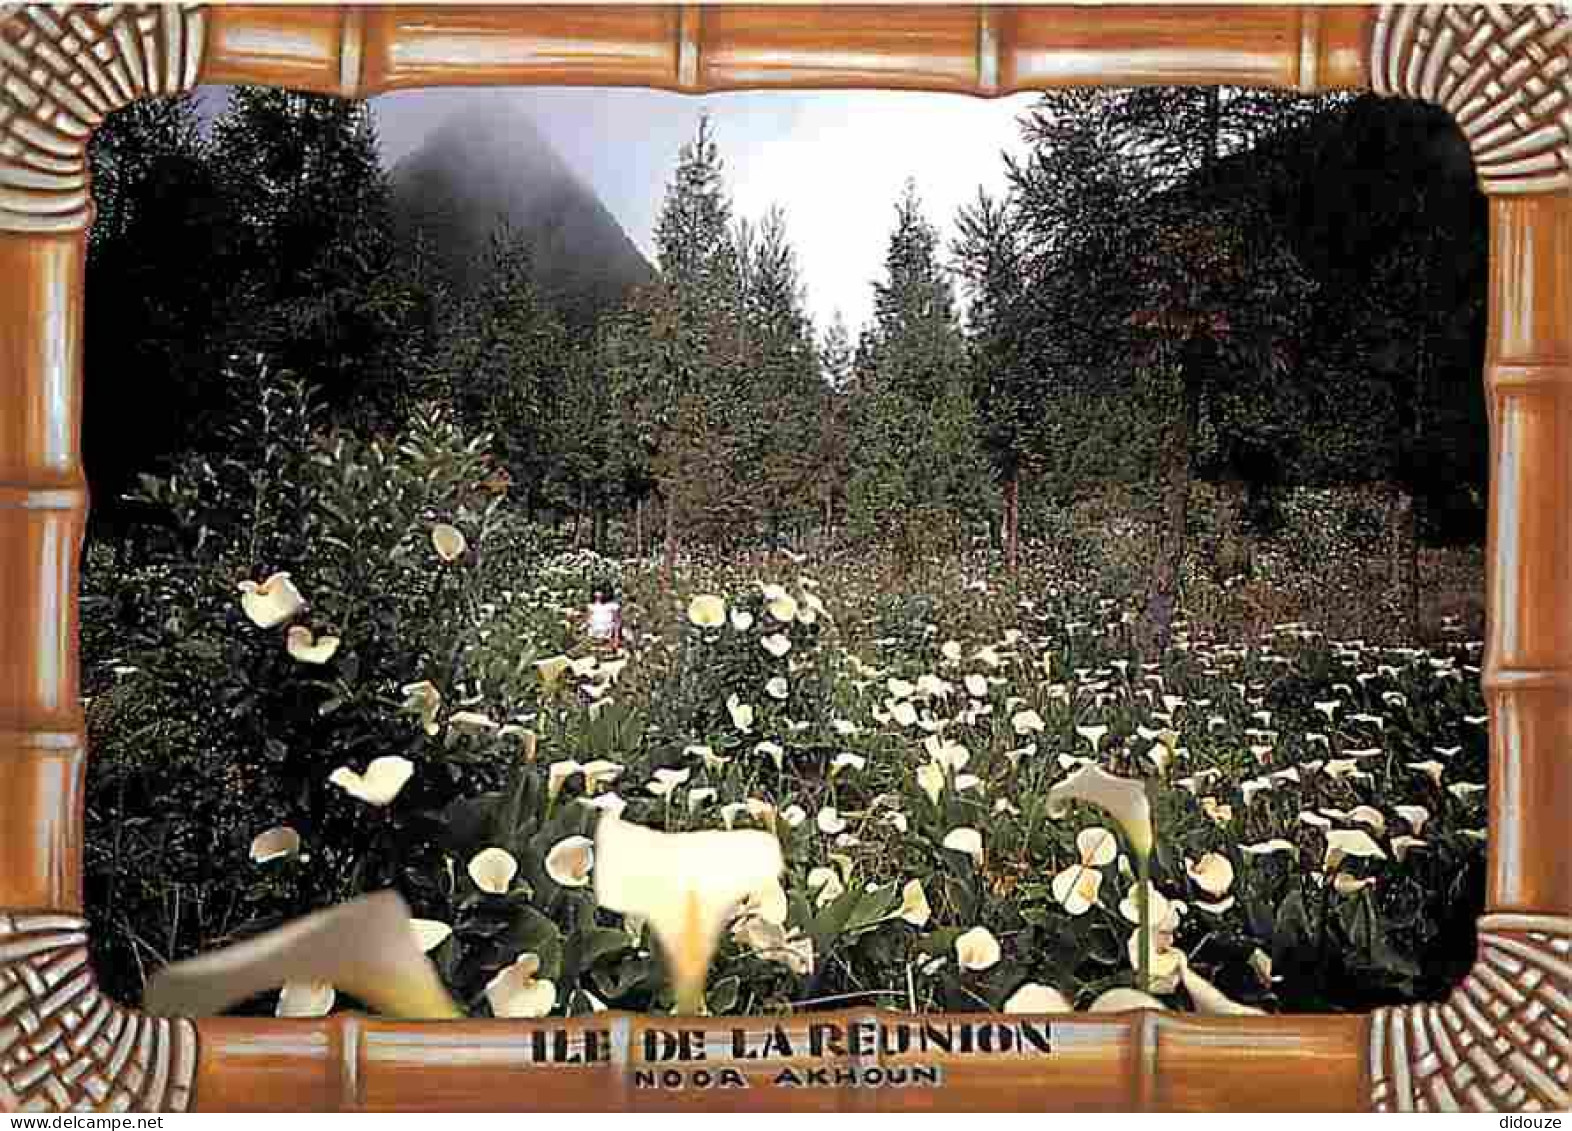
(316, 279)
(150, 346)
(918, 471)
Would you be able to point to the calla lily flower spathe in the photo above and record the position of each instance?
(1026, 722)
(1213, 874)
(1349, 842)
(914, 907)
(305, 648)
(977, 949)
(493, 869)
(424, 698)
(383, 780)
(1123, 799)
(448, 541)
(272, 603)
(686, 884)
(741, 714)
(430, 933)
(366, 948)
(780, 604)
(305, 999)
(1076, 887)
(281, 843)
(967, 841)
(1035, 998)
(570, 861)
(707, 611)
(516, 992)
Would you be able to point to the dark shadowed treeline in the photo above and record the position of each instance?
(1180, 286)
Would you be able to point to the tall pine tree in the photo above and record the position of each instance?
(318, 285)
(918, 471)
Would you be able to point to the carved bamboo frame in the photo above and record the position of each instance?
(1501, 1041)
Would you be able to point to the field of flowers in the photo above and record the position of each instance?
(1317, 805)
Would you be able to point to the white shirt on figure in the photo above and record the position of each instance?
(603, 618)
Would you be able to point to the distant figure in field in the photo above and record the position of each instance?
(604, 620)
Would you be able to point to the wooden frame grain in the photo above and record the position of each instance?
(1501, 1041)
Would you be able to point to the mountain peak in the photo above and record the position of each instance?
(492, 165)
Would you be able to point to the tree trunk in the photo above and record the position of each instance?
(1012, 522)
(638, 529)
(671, 546)
(1236, 555)
(1156, 624)
(1403, 557)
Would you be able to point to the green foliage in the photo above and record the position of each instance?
(157, 303)
(311, 259)
(918, 478)
(351, 521)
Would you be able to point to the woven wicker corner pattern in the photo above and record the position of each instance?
(62, 71)
(64, 1046)
(1505, 75)
(1501, 1042)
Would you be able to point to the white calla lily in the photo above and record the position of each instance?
(776, 644)
(826, 883)
(1123, 799)
(977, 949)
(967, 841)
(914, 908)
(1036, 998)
(686, 884)
(306, 648)
(1076, 888)
(516, 992)
(600, 772)
(472, 722)
(305, 999)
(1349, 842)
(1414, 815)
(1166, 961)
(448, 541)
(493, 869)
(382, 782)
(272, 602)
(280, 843)
(1026, 722)
(424, 698)
(430, 933)
(570, 861)
(1093, 735)
(367, 947)
(1213, 873)
(558, 773)
(707, 611)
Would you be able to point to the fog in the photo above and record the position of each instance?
(835, 161)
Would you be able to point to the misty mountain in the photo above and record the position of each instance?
(475, 172)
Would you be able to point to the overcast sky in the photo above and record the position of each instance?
(835, 161)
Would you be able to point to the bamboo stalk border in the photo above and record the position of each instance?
(1499, 1042)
